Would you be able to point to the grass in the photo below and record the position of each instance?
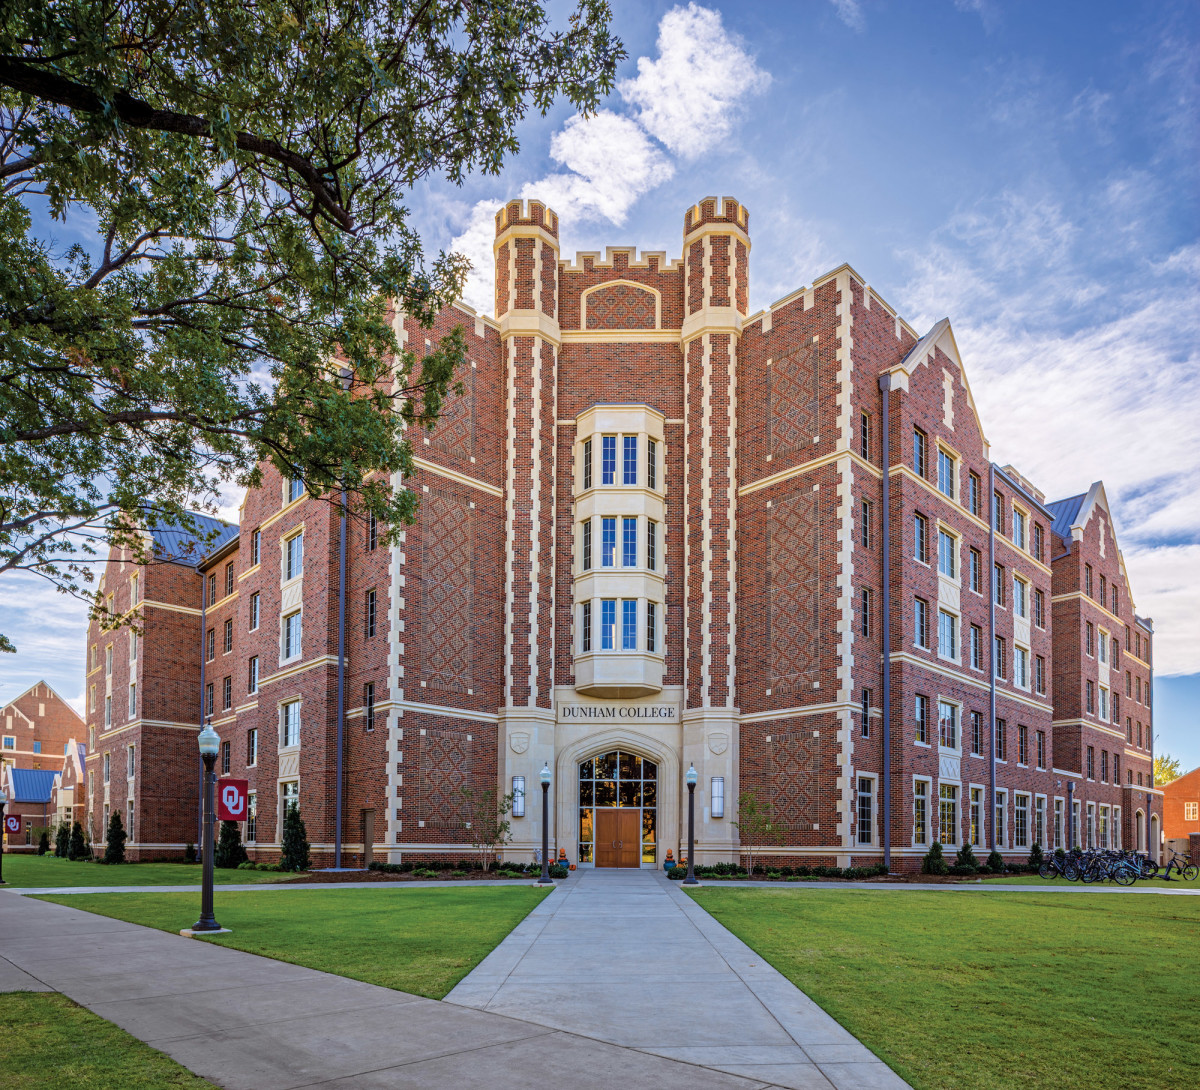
(421, 940)
(38, 871)
(979, 990)
(50, 1042)
(1152, 883)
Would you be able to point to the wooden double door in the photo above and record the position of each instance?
(618, 837)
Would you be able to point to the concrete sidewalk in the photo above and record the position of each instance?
(250, 1023)
(629, 958)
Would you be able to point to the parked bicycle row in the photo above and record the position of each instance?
(1111, 864)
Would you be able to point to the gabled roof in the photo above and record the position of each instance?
(12, 703)
(1065, 513)
(31, 784)
(179, 545)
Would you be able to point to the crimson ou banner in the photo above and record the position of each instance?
(232, 799)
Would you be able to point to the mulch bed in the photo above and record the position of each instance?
(334, 877)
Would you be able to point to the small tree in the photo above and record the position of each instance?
(114, 840)
(229, 854)
(934, 861)
(1035, 855)
(295, 841)
(43, 842)
(966, 857)
(189, 852)
(753, 825)
(995, 863)
(62, 837)
(1166, 769)
(77, 846)
(490, 827)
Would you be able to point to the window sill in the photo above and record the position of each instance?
(923, 745)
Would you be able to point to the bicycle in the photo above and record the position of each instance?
(1188, 870)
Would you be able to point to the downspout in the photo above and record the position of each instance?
(199, 759)
(885, 382)
(341, 686)
(992, 639)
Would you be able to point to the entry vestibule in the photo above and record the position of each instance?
(618, 797)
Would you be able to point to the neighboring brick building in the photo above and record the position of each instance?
(30, 794)
(655, 531)
(69, 801)
(36, 728)
(1181, 810)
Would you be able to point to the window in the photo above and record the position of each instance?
(629, 476)
(1001, 740)
(977, 733)
(652, 545)
(608, 624)
(1000, 654)
(108, 709)
(227, 637)
(1058, 824)
(252, 747)
(1039, 608)
(1022, 744)
(1189, 811)
(372, 532)
(608, 459)
(865, 612)
(1103, 646)
(1138, 685)
(973, 495)
(998, 584)
(1089, 642)
(864, 436)
(1019, 538)
(976, 816)
(919, 453)
(920, 622)
(295, 489)
(865, 711)
(291, 723)
(1116, 767)
(947, 554)
(865, 535)
(208, 699)
(1087, 580)
(587, 464)
(585, 627)
(227, 693)
(1021, 667)
(922, 715)
(107, 767)
(10, 741)
(651, 464)
(132, 698)
(291, 635)
(289, 796)
(947, 635)
(133, 646)
(651, 626)
(294, 564)
(133, 590)
(1104, 766)
(369, 705)
(1114, 599)
(1039, 674)
(998, 512)
(210, 645)
(1091, 762)
(1039, 543)
(95, 657)
(976, 647)
(1103, 590)
(629, 543)
(225, 747)
(1103, 826)
(1001, 817)
(1021, 821)
(921, 538)
(1103, 703)
(947, 473)
(1020, 597)
(252, 817)
(947, 724)
(228, 579)
(866, 801)
(92, 699)
(1116, 707)
(947, 813)
(629, 624)
(255, 548)
(920, 812)
(976, 571)
(608, 542)
(1090, 696)
(1114, 645)
(129, 761)
(585, 562)
(254, 601)
(370, 614)
(212, 588)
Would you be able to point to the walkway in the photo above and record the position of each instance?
(628, 958)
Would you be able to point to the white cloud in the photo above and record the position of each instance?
(1165, 584)
(850, 13)
(688, 96)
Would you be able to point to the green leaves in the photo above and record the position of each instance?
(238, 173)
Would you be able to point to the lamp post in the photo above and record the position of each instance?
(210, 743)
(3, 804)
(545, 879)
(690, 778)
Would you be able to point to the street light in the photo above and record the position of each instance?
(545, 879)
(690, 778)
(3, 803)
(210, 743)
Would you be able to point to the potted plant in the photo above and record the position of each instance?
(670, 860)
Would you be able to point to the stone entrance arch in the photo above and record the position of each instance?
(1139, 825)
(566, 772)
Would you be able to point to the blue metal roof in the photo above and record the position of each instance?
(1065, 513)
(31, 784)
(182, 546)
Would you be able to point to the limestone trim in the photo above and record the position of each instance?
(606, 261)
(530, 323)
(535, 501)
(718, 227)
(806, 467)
(510, 520)
(710, 319)
(1078, 594)
(1103, 728)
(395, 613)
(524, 230)
(620, 336)
(459, 478)
(283, 511)
(583, 302)
(447, 711)
(168, 607)
(298, 668)
(963, 678)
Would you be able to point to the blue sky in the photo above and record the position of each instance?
(1026, 169)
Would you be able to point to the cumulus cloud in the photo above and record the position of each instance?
(850, 13)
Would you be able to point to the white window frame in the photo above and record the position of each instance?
(927, 783)
(285, 735)
(870, 795)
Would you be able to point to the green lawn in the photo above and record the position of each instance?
(50, 1043)
(431, 937)
(1150, 883)
(995, 989)
(46, 870)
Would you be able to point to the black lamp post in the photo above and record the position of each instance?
(690, 777)
(4, 803)
(210, 743)
(545, 879)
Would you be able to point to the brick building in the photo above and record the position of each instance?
(36, 729)
(656, 531)
(30, 794)
(1181, 811)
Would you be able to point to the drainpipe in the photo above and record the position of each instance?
(341, 685)
(1071, 816)
(992, 638)
(199, 759)
(885, 383)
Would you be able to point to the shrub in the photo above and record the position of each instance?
(677, 874)
(44, 842)
(995, 863)
(1035, 855)
(189, 853)
(962, 870)
(62, 837)
(76, 846)
(229, 852)
(1060, 855)
(934, 862)
(966, 858)
(557, 870)
(114, 846)
(295, 841)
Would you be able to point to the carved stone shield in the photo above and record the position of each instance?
(518, 741)
(718, 743)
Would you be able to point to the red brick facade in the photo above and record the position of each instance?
(747, 556)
